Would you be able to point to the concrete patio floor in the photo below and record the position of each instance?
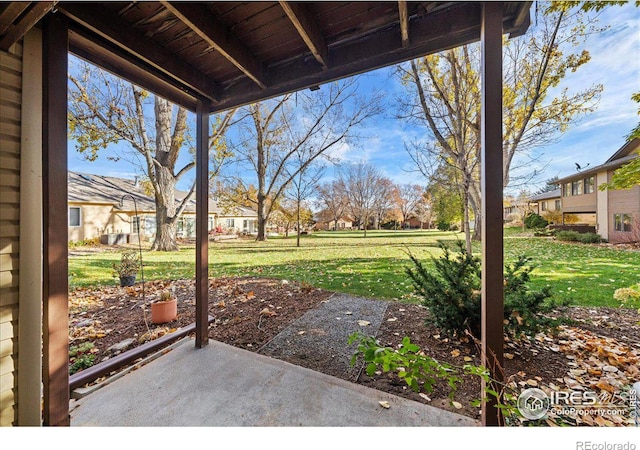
(221, 385)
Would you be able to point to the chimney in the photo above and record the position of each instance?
(136, 183)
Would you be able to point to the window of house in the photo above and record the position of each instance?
(558, 205)
(149, 225)
(210, 224)
(589, 184)
(622, 222)
(576, 187)
(230, 223)
(74, 216)
(567, 189)
(135, 224)
(543, 206)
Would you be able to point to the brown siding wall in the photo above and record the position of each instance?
(579, 203)
(625, 201)
(10, 129)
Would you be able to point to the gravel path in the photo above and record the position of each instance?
(319, 337)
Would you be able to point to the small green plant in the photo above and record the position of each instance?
(81, 357)
(165, 296)
(423, 373)
(129, 264)
(452, 294)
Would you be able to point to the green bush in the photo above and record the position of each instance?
(452, 294)
(443, 225)
(589, 238)
(543, 232)
(574, 236)
(566, 235)
(534, 220)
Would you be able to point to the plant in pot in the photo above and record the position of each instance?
(164, 309)
(127, 268)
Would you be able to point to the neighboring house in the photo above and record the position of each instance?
(103, 207)
(414, 222)
(324, 222)
(547, 203)
(515, 208)
(614, 213)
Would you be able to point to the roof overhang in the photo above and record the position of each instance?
(234, 53)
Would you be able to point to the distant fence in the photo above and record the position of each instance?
(577, 228)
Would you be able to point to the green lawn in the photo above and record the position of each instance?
(375, 266)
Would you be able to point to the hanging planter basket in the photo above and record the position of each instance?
(163, 312)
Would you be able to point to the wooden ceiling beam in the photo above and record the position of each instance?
(120, 33)
(307, 28)
(404, 22)
(9, 12)
(16, 30)
(90, 47)
(430, 33)
(199, 19)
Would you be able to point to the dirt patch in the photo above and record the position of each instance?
(250, 312)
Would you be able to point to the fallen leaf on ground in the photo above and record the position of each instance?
(425, 396)
(363, 323)
(267, 312)
(392, 319)
(455, 353)
(456, 405)
(385, 404)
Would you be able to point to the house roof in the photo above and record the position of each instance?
(556, 193)
(622, 156)
(235, 53)
(92, 188)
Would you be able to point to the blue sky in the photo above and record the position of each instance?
(615, 64)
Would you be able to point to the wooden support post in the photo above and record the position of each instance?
(202, 220)
(55, 255)
(491, 181)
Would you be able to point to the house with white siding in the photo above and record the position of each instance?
(103, 207)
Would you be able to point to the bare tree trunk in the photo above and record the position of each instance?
(166, 220)
(467, 231)
(262, 220)
(298, 225)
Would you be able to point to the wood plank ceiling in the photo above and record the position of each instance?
(234, 53)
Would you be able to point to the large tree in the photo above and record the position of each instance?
(106, 110)
(365, 190)
(332, 200)
(407, 198)
(445, 97)
(304, 184)
(277, 130)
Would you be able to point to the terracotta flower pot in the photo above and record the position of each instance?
(163, 312)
